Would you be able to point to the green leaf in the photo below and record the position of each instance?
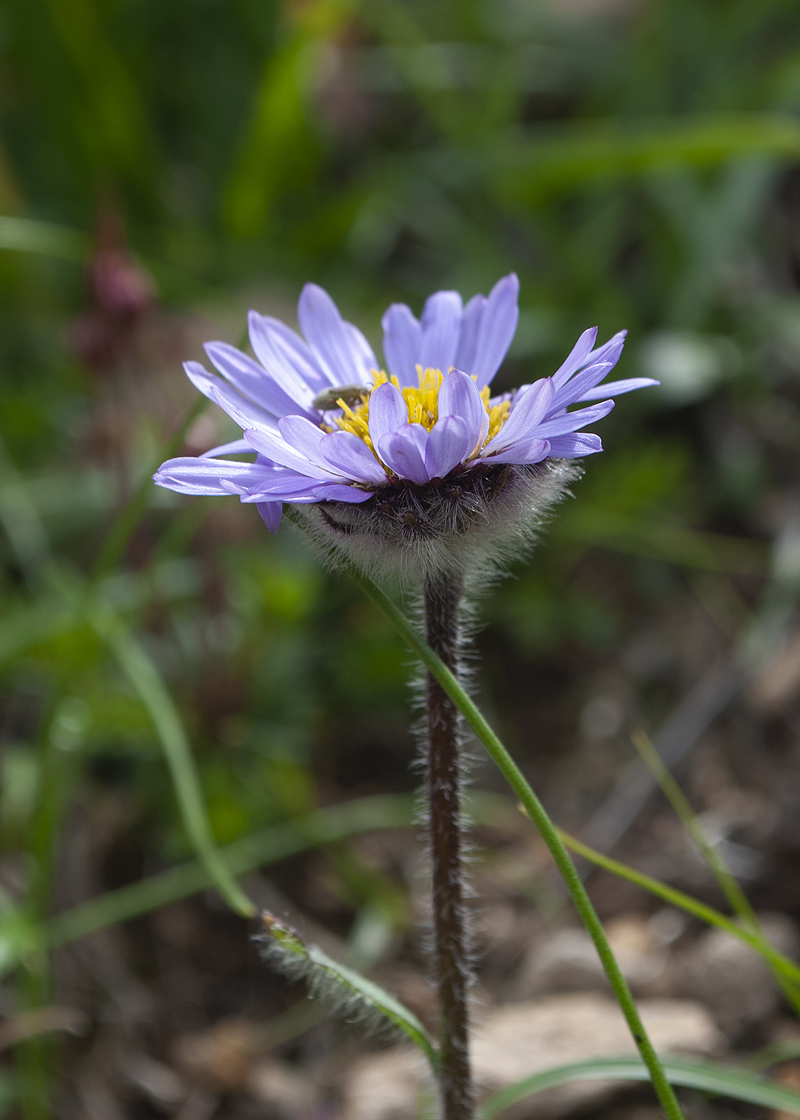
(706, 1076)
(347, 990)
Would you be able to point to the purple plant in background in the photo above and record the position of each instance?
(422, 447)
(416, 470)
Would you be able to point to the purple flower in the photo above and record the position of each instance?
(328, 425)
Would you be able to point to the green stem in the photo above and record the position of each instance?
(545, 827)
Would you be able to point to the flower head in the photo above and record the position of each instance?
(416, 457)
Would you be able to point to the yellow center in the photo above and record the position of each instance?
(422, 404)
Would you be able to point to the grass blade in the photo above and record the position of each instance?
(146, 680)
(706, 1076)
(684, 902)
(736, 897)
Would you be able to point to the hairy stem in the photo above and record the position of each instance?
(443, 727)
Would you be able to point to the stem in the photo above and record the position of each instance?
(547, 830)
(443, 772)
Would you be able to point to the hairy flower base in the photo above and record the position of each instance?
(469, 523)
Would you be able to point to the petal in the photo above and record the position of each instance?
(204, 476)
(468, 342)
(617, 388)
(337, 492)
(441, 327)
(285, 355)
(449, 444)
(571, 421)
(404, 453)
(581, 383)
(574, 445)
(253, 381)
(330, 338)
(350, 456)
(246, 414)
(615, 343)
(283, 485)
(402, 337)
(577, 358)
(270, 514)
(360, 346)
(387, 412)
(459, 396)
(275, 447)
(498, 324)
(524, 422)
(305, 437)
(524, 451)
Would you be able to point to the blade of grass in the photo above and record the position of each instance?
(148, 683)
(706, 1076)
(736, 897)
(684, 902)
(259, 850)
(544, 825)
(25, 235)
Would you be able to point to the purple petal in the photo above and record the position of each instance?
(337, 492)
(350, 456)
(575, 445)
(204, 476)
(468, 342)
(330, 338)
(615, 343)
(617, 388)
(275, 447)
(581, 383)
(498, 324)
(577, 358)
(246, 414)
(571, 421)
(441, 327)
(404, 453)
(526, 415)
(283, 485)
(449, 444)
(270, 514)
(305, 437)
(459, 396)
(387, 412)
(524, 451)
(285, 355)
(402, 336)
(360, 346)
(253, 381)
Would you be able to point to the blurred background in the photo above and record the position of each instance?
(166, 166)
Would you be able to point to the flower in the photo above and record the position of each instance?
(420, 447)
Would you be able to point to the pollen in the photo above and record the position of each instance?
(422, 404)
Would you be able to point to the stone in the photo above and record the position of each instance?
(567, 961)
(285, 1093)
(731, 979)
(221, 1057)
(513, 1042)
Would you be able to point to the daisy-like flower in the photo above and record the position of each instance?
(415, 458)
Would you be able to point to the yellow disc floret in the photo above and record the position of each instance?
(422, 404)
